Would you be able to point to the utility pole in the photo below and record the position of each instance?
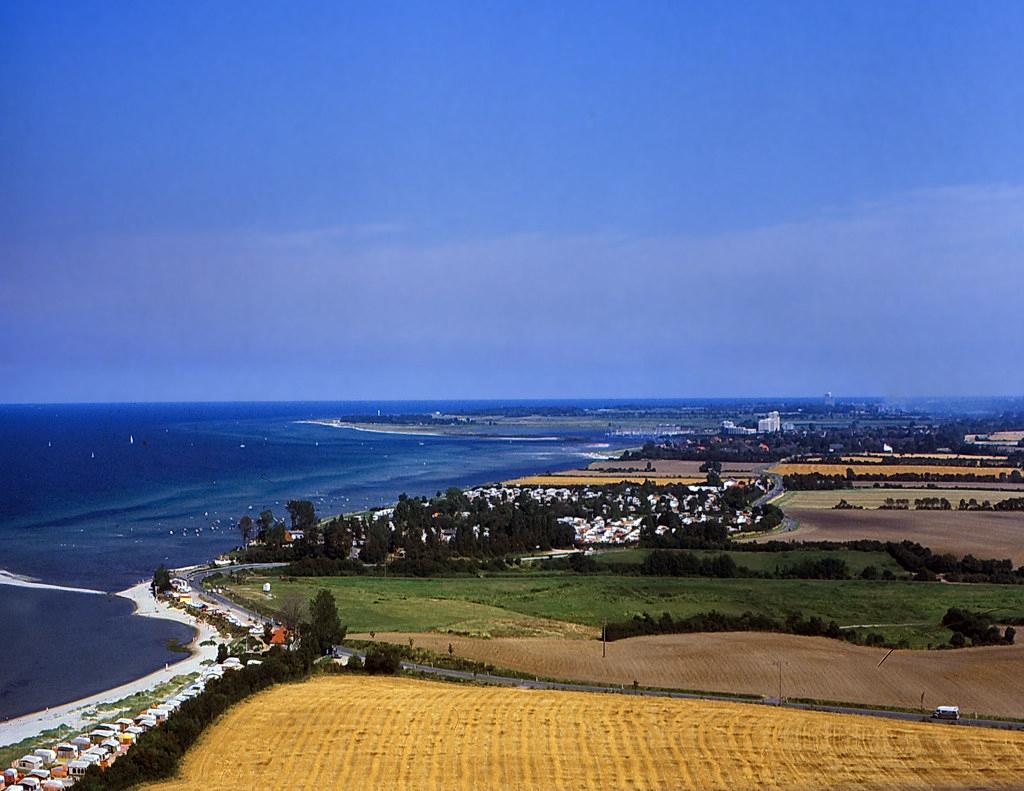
(779, 663)
(604, 638)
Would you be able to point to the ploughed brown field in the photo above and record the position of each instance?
(986, 680)
(875, 498)
(375, 733)
(983, 534)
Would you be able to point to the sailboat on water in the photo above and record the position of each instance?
(131, 439)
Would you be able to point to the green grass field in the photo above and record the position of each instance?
(545, 604)
(768, 561)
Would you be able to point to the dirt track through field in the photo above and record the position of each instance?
(363, 732)
(982, 534)
(986, 680)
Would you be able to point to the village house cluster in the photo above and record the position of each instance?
(617, 517)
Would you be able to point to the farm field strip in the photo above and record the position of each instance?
(881, 458)
(984, 534)
(677, 467)
(873, 498)
(804, 468)
(403, 734)
(978, 679)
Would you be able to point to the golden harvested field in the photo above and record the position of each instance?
(986, 680)
(384, 733)
(881, 457)
(984, 534)
(804, 468)
(873, 498)
(596, 479)
(997, 436)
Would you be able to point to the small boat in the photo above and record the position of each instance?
(92, 455)
(131, 439)
(242, 445)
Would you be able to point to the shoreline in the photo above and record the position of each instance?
(20, 581)
(400, 431)
(353, 427)
(75, 712)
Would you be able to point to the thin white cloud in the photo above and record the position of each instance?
(917, 293)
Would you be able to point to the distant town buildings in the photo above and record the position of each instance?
(729, 427)
(771, 424)
(829, 400)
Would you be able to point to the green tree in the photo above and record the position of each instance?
(246, 527)
(222, 653)
(325, 627)
(266, 521)
(383, 660)
(162, 579)
(302, 513)
(303, 516)
(291, 608)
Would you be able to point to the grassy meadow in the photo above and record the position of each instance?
(566, 604)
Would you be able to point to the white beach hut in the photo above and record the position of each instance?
(49, 756)
(78, 768)
(27, 763)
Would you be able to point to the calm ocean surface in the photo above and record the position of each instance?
(97, 496)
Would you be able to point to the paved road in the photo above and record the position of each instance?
(789, 524)
(772, 493)
(527, 683)
(195, 578)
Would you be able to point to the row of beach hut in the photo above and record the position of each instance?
(57, 768)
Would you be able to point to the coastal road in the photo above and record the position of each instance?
(536, 683)
(195, 577)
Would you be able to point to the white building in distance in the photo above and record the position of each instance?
(770, 424)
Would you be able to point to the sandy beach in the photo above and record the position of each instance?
(76, 712)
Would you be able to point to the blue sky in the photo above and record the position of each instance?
(233, 200)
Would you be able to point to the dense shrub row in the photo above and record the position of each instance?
(714, 621)
(976, 627)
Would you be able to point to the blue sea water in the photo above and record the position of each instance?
(97, 496)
